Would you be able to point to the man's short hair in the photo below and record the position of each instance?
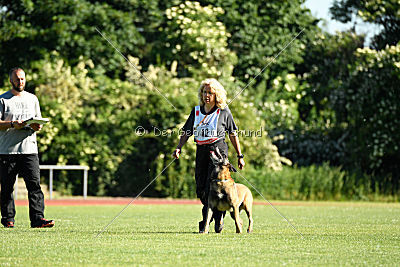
(14, 70)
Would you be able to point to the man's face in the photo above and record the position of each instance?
(18, 80)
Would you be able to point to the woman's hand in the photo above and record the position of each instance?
(176, 153)
(178, 149)
(241, 163)
(235, 142)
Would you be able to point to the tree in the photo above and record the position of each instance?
(372, 98)
(29, 30)
(348, 110)
(259, 31)
(385, 13)
(300, 108)
(96, 100)
(197, 41)
(91, 120)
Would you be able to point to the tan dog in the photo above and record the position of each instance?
(225, 194)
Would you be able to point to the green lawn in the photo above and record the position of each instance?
(355, 234)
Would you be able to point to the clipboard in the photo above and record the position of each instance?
(37, 120)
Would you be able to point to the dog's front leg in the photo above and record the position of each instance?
(208, 220)
(238, 222)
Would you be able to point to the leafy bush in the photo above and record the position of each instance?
(373, 109)
(321, 182)
(348, 110)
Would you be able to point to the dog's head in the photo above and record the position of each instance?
(222, 166)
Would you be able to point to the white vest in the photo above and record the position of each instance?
(205, 127)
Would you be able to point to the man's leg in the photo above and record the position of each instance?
(8, 175)
(29, 166)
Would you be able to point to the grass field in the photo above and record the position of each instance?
(356, 234)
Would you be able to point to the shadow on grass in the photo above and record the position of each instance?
(149, 232)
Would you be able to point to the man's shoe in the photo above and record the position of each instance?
(8, 224)
(42, 223)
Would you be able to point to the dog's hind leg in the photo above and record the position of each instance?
(238, 221)
(232, 213)
(247, 205)
(248, 208)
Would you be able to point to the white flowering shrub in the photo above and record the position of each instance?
(198, 40)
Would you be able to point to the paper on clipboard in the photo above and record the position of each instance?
(37, 120)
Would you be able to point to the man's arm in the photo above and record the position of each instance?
(37, 109)
(36, 126)
(4, 125)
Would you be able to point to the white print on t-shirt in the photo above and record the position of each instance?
(22, 110)
(205, 126)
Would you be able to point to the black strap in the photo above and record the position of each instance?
(2, 109)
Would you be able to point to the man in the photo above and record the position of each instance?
(18, 151)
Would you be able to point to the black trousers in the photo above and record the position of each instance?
(204, 167)
(26, 166)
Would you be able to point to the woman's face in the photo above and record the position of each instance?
(208, 96)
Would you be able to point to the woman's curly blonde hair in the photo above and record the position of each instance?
(217, 88)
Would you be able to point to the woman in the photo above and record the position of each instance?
(208, 122)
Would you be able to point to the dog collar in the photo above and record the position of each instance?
(223, 181)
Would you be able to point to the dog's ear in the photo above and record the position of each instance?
(231, 168)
